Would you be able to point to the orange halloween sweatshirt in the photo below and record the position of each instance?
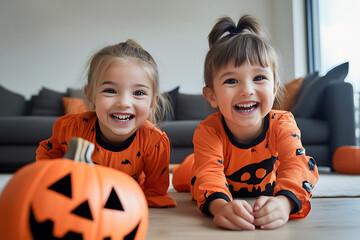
(275, 163)
(144, 156)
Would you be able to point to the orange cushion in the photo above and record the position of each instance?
(291, 92)
(74, 105)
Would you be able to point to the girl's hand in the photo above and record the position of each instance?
(272, 212)
(234, 215)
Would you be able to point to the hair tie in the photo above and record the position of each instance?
(234, 31)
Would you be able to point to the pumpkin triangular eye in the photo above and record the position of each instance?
(113, 201)
(132, 234)
(83, 210)
(63, 186)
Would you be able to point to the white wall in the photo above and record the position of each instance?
(47, 42)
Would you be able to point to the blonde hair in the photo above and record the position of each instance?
(125, 52)
(242, 43)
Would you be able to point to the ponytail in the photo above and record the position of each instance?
(226, 25)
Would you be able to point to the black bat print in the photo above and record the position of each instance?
(126, 162)
(295, 135)
(49, 145)
(163, 171)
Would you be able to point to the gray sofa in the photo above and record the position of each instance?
(23, 124)
(324, 112)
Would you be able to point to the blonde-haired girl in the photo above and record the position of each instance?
(122, 93)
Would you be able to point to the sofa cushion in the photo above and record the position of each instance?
(308, 79)
(74, 105)
(11, 104)
(76, 93)
(14, 157)
(180, 132)
(309, 99)
(172, 98)
(291, 91)
(25, 130)
(192, 107)
(313, 131)
(47, 103)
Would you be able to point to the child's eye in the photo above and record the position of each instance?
(139, 93)
(259, 78)
(109, 90)
(230, 81)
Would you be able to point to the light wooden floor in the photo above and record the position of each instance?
(330, 218)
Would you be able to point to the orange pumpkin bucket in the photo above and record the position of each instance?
(346, 159)
(65, 199)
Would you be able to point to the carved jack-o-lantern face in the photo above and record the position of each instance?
(63, 199)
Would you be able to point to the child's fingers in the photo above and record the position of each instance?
(273, 225)
(223, 222)
(243, 210)
(260, 202)
(233, 223)
(268, 207)
(267, 218)
(248, 207)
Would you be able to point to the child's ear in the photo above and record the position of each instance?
(210, 96)
(89, 99)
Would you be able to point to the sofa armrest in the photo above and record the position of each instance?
(340, 114)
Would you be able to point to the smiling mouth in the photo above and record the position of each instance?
(247, 107)
(122, 117)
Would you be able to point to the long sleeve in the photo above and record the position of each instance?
(55, 146)
(209, 181)
(297, 173)
(156, 171)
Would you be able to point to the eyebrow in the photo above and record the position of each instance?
(107, 82)
(142, 86)
(226, 74)
(136, 85)
(257, 69)
(260, 69)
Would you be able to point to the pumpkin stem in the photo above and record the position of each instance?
(80, 150)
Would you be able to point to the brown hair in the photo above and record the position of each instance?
(125, 52)
(242, 43)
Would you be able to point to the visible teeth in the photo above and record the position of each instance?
(246, 105)
(122, 117)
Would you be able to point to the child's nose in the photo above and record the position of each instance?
(123, 100)
(247, 89)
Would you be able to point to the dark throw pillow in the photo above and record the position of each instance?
(172, 98)
(308, 101)
(47, 103)
(11, 104)
(192, 107)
